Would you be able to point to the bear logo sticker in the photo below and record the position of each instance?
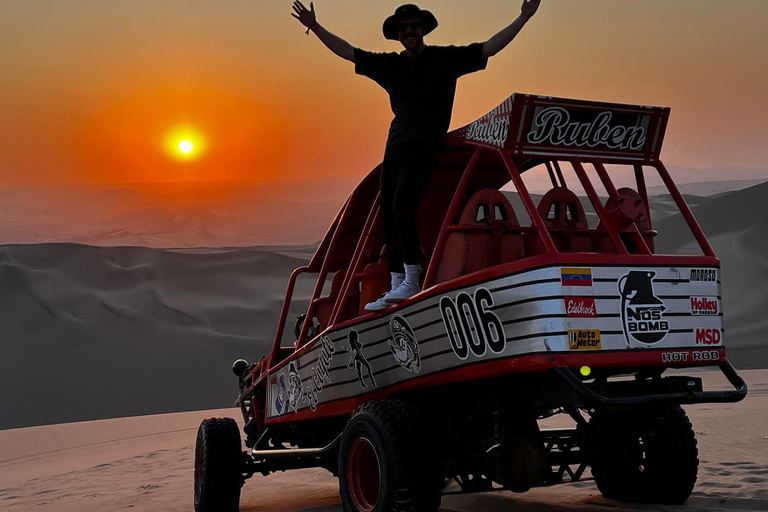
(403, 344)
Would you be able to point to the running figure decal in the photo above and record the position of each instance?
(357, 360)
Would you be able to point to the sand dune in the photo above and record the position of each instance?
(95, 332)
(160, 328)
(710, 188)
(736, 227)
(146, 464)
(100, 332)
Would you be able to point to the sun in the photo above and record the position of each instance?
(186, 146)
(185, 143)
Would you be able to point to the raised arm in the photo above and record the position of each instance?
(498, 42)
(334, 43)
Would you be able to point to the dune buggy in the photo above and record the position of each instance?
(532, 306)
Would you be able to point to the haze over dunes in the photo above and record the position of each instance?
(226, 213)
(177, 214)
(95, 332)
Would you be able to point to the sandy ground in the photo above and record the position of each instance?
(145, 464)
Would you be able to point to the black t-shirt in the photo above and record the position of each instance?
(421, 87)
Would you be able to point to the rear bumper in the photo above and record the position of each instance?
(676, 390)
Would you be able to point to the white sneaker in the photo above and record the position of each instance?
(379, 304)
(404, 291)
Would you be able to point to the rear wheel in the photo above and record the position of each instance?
(645, 457)
(218, 466)
(386, 462)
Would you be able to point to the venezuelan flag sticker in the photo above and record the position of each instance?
(576, 276)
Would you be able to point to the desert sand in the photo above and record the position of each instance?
(146, 464)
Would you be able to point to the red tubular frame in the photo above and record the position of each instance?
(513, 151)
(614, 194)
(684, 209)
(366, 236)
(284, 314)
(360, 249)
(546, 238)
(643, 191)
(453, 209)
(320, 281)
(601, 213)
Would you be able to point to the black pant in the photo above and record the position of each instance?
(404, 178)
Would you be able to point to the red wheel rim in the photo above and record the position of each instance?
(364, 475)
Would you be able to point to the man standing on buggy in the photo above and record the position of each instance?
(421, 83)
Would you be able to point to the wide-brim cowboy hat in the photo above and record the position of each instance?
(408, 11)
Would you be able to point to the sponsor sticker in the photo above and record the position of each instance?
(280, 398)
(642, 312)
(674, 357)
(703, 275)
(683, 357)
(704, 306)
(296, 393)
(580, 307)
(584, 339)
(558, 126)
(357, 360)
(320, 372)
(576, 276)
(706, 355)
(708, 337)
(493, 129)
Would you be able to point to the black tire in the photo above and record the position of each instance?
(386, 462)
(645, 457)
(218, 466)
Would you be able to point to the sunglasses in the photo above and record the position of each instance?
(414, 25)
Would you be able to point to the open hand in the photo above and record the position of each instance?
(304, 15)
(529, 8)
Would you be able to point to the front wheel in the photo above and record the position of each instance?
(218, 466)
(647, 456)
(386, 462)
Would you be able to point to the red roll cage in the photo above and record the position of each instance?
(523, 132)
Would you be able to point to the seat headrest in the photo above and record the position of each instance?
(567, 206)
(488, 205)
(632, 209)
(338, 280)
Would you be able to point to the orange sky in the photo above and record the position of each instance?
(91, 88)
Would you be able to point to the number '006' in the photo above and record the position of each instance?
(471, 325)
